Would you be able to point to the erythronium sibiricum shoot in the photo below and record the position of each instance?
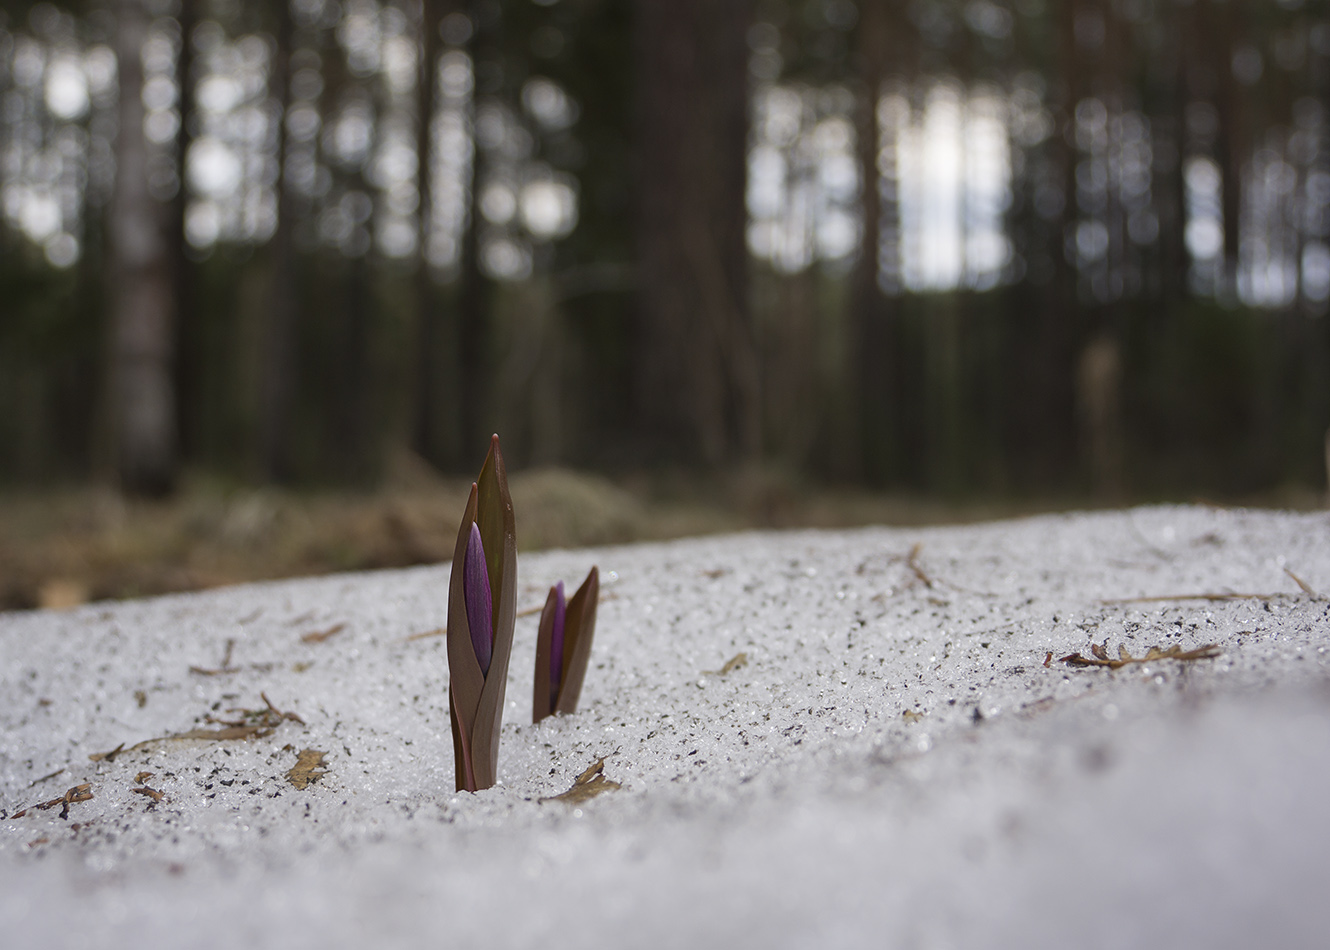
(563, 647)
(482, 605)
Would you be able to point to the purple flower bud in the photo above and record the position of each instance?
(479, 605)
(556, 642)
(563, 645)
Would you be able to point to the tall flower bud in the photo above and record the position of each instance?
(482, 605)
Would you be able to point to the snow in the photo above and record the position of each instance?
(789, 802)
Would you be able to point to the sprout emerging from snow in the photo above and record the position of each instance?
(563, 647)
(482, 599)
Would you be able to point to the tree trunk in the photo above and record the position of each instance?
(426, 423)
(1230, 148)
(475, 296)
(184, 370)
(278, 380)
(142, 288)
(698, 379)
(872, 314)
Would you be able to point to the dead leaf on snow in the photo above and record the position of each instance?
(142, 777)
(1213, 596)
(732, 664)
(318, 636)
(912, 561)
(910, 715)
(252, 724)
(587, 785)
(152, 793)
(308, 768)
(436, 632)
(226, 667)
(226, 732)
(79, 793)
(1306, 588)
(1101, 658)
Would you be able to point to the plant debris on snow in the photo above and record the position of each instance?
(1100, 655)
(79, 793)
(587, 785)
(308, 768)
(252, 724)
(318, 636)
(732, 664)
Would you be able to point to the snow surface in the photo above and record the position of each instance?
(895, 765)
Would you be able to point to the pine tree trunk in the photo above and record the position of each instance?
(698, 380)
(873, 317)
(278, 380)
(142, 288)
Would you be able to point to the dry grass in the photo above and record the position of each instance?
(62, 548)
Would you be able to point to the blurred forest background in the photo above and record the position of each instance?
(969, 252)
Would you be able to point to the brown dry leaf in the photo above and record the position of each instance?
(1175, 652)
(308, 768)
(1211, 596)
(253, 724)
(110, 756)
(732, 664)
(1048, 658)
(1306, 588)
(436, 632)
(912, 561)
(911, 716)
(79, 793)
(226, 732)
(587, 785)
(141, 698)
(318, 636)
(142, 777)
(152, 793)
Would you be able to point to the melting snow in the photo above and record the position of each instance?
(893, 765)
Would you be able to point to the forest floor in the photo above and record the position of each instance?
(63, 547)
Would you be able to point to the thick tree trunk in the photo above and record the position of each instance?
(698, 384)
(142, 288)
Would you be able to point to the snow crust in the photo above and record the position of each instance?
(894, 765)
